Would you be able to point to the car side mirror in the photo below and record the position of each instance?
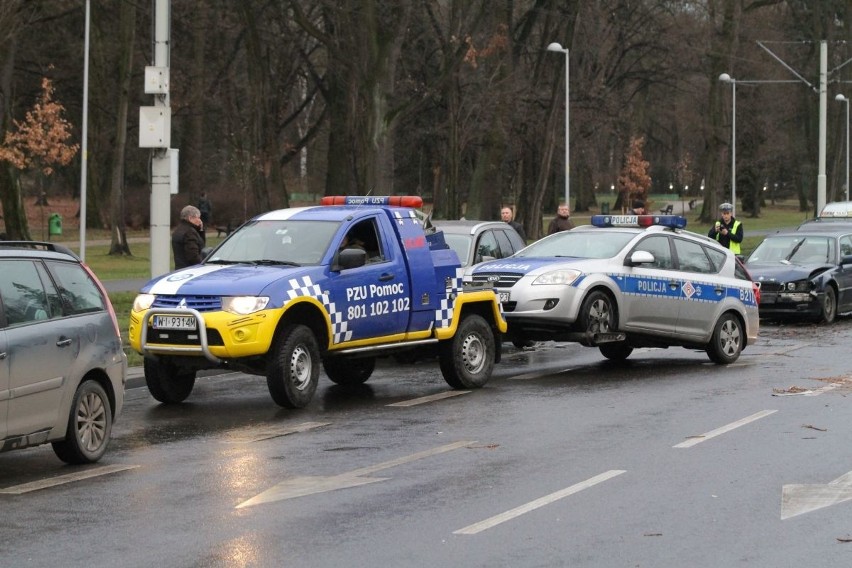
(350, 258)
(639, 257)
(205, 252)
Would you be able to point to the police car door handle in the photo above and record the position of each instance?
(386, 276)
(63, 342)
(674, 284)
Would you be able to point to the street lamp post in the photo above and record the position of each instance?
(846, 100)
(725, 78)
(558, 47)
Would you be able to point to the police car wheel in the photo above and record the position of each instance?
(349, 371)
(468, 358)
(829, 306)
(89, 426)
(166, 382)
(727, 341)
(597, 314)
(293, 371)
(616, 350)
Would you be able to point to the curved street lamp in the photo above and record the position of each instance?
(558, 47)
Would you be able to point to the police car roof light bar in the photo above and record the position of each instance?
(671, 221)
(413, 201)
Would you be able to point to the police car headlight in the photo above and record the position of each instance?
(244, 305)
(557, 277)
(143, 302)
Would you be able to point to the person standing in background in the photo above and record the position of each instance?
(507, 216)
(188, 238)
(728, 230)
(562, 221)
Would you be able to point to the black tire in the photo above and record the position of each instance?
(468, 358)
(829, 306)
(616, 350)
(89, 426)
(166, 382)
(294, 366)
(597, 314)
(349, 371)
(727, 341)
(520, 342)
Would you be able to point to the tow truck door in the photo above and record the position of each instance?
(371, 301)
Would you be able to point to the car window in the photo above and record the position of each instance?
(691, 257)
(79, 293)
(516, 240)
(506, 248)
(365, 236)
(460, 244)
(658, 245)
(718, 257)
(486, 247)
(24, 299)
(846, 245)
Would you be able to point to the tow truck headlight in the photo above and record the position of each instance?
(557, 277)
(143, 302)
(244, 305)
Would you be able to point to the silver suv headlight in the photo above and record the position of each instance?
(564, 276)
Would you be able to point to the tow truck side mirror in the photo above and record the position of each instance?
(350, 258)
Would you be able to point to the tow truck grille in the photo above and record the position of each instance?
(503, 279)
(200, 303)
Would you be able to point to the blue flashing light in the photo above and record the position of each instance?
(671, 221)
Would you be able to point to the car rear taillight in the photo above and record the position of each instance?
(756, 287)
(105, 296)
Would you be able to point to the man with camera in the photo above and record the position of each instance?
(728, 230)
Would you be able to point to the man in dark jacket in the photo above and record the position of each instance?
(728, 230)
(562, 221)
(508, 217)
(188, 238)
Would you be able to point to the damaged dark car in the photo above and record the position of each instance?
(804, 275)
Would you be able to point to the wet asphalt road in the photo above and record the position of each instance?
(563, 459)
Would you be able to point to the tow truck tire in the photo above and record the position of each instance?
(468, 358)
(166, 382)
(294, 366)
(89, 426)
(829, 306)
(726, 344)
(597, 314)
(349, 371)
(616, 350)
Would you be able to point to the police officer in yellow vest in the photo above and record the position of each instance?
(728, 230)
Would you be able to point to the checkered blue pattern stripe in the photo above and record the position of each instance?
(305, 287)
(444, 314)
(401, 216)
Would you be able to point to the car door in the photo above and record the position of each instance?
(701, 289)
(4, 384)
(373, 300)
(39, 348)
(651, 296)
(843, 274)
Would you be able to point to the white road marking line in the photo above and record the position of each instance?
(260, 434)
(797, 499)
(538, 374)
(810, 392)
(309, 485)
(541, 502)
(430, 398)
(63, 479)
(719, 431)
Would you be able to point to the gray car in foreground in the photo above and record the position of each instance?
(62, 366)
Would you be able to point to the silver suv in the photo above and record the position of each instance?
(62, 368)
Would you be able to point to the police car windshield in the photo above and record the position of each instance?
(277, 242)
(580, 244)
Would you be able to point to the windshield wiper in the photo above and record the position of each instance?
(795, 249)
(222, 261)
(270, 262)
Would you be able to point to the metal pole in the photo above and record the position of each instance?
(567, 131)
(734, 147)
(823, 95)
(84, 146)
(847, 148)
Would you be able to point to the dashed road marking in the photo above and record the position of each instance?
(63, 479)
(797, 499)
(693, 440)
(260, 434)
(310, 485)
(430, 398)
(538, 503)
(539, 374)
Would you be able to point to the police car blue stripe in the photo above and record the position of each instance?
(692, 290)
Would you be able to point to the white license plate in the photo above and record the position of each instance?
(504, 297)
(174, 322)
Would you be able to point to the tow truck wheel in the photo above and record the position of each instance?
(616, 350)
(293, 371)
(727, 341)
(468, 358)
(166, 382)
(349, 371)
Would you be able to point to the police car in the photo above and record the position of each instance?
(341, 283)
(625, 282)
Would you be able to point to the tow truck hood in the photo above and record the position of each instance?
(224, 279)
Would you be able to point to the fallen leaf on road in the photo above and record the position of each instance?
(814, 428)
(844, 539)
(791, 390)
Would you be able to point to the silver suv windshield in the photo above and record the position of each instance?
(277, 242)
(579, 244)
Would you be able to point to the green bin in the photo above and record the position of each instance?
(54, 224)
(605, 208)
